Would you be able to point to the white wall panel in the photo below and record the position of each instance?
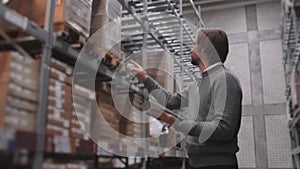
(238, 63)
(230, 20)
(278, 142)
(246, 155)
(269, 15)
(272, 72)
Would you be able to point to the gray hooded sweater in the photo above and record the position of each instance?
(212, 118)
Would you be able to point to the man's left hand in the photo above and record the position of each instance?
(167, 117)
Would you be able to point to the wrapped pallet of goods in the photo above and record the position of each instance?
(19, 79)
(71, 16)
(59, 99)
(81, 116)
(108, 111)
(106, 15)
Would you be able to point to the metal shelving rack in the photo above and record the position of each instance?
(50, 43)
(166, 30)
(291, 52)
(159, 24)
(159, 37)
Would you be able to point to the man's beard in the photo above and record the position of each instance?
(196, 61)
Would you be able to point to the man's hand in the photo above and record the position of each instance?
(167, 117)
(138, 71)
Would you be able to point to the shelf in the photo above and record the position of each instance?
(38, 37)
(159, 38)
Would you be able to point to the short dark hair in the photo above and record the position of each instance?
(217, 38)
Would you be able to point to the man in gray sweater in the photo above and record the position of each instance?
(214, 104)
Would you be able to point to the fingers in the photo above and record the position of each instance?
(135, 64)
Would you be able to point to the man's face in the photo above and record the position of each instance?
(195, 58)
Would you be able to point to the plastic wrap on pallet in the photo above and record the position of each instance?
(110, 8)
(104, 12)
(78, 15)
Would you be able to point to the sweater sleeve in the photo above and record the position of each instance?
(226, 112)
(170, 100)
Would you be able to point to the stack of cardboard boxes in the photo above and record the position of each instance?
(120, 115)
(59, 99)
(81, 117)
(108, 111)
(71, 16)
(19, 91)
(68, 126)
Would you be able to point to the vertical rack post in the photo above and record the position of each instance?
(144, 64)
(43, 90)
(200, 22)
(181, 39)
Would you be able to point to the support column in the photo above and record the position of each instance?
(256, 87)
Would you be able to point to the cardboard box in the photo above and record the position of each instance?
(19, 69)
(60, 76)
(18, 91)
(56, 112)
(60, 122)
(23, 81)
(18, 119)
(73, 14)
(80, 117)
(15, 57)
(56, 130)
(78, 133)
(60, 103)
(60, 93)
(79, 109)
(80, 146)
(58, 85)
(62, 144)
(83, 92)
(19, 103)
(82, 103)
(63, 67)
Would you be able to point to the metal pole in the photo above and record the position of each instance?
(144, 64)
(201, 24)
(43, 90)
(181, 39)
(195, 9)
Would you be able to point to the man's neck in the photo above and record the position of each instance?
(201, 67)
(204, 68)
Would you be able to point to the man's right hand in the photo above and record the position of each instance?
(139, 71)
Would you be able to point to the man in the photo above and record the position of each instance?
(215, 99)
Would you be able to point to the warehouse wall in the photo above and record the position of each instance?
(256, 58)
